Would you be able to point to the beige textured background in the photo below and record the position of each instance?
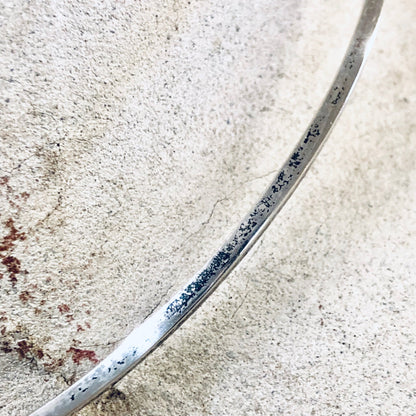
(134, 135)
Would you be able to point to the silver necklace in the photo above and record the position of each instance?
(155, 329)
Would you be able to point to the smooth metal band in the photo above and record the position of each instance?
(151, 333)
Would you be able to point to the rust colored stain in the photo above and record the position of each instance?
(14, 235)
(54, 364)
(39, 353)
(63, 308)
(24, 195)
(4, 180)
(5, 347)
(25, 296)
(1, 276)
(78, 355)
(12, 264)
(23, 348)
(7, 244)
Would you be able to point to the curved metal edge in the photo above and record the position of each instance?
(154, 330)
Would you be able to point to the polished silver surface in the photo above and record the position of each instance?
(151, 333)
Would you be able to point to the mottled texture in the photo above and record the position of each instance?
(128, 130)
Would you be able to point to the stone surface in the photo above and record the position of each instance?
(134, 135)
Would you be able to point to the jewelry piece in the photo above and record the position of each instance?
(155, 329)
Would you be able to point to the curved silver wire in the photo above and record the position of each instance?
(155, 329)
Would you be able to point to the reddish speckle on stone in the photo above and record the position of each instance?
(23, 348)
(78, 355)
(6, 244)
(3, 330)
(4, 180)
(54, 364)
(24, 195)
(63, 308)
(39, 353)
(80, 328)
(1, 276)
(25, 296)
(5, 347)
(8, 241)
(87, 324)
(75, 341)
(12, 264)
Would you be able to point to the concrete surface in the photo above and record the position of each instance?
(134, 135)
